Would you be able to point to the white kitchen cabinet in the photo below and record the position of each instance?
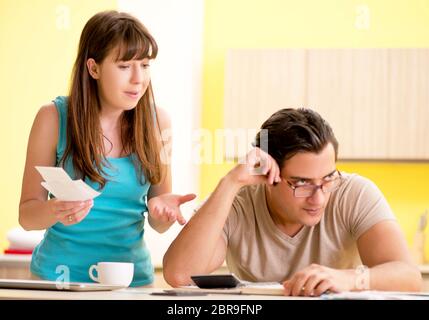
(376, 100)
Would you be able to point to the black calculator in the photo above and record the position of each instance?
(212, 281)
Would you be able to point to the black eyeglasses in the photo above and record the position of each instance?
(310, 189)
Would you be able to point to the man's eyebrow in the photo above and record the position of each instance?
(308, 179)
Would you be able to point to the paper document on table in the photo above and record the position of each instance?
(263, 288)
(251, 288)
(377, 295)
(59, 183)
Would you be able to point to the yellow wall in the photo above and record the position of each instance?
(36, 57)
(314, 23)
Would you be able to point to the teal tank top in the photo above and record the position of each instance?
(111, 232)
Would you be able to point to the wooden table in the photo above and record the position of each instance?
(125, 294)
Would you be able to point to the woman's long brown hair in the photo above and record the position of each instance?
(140, 133)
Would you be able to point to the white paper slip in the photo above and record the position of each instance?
(59, 183)
(250, 288)
(376, 295)
(53, 173)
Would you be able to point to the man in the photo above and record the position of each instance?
(301, 221)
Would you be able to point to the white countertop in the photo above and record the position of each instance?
(15, 260)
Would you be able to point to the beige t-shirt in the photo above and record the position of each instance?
(259, 251)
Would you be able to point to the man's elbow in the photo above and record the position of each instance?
(176, 279)
(172, 273)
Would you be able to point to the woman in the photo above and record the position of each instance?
(108, 133)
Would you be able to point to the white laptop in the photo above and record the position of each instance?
(52, 285)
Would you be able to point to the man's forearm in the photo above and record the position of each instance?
(395, 276)
(194, 247)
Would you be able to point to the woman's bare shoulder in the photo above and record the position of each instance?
(46, 124)
(48, 112)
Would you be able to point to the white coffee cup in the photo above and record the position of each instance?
(113, 273)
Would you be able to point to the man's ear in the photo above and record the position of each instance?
(93, 68)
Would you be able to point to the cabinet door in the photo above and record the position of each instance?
(376, 100)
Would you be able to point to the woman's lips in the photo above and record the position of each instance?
(132, 94)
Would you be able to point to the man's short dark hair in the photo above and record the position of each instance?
(291, 131)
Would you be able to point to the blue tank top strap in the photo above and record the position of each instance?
(61, 103)
(61, 106)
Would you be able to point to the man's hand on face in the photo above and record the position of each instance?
(257, 167)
